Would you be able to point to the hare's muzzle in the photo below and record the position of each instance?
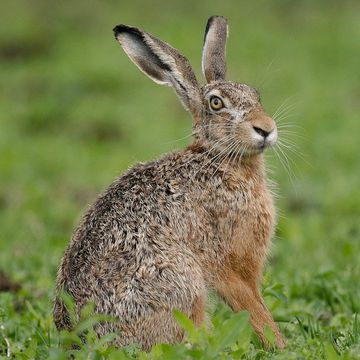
(264, 129)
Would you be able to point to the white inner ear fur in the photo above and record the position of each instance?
(214, 42)
(169, 77)
(210, 39)
(163, 64)
(132, 46)
(138, 53)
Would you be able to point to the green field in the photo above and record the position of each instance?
(75, 113)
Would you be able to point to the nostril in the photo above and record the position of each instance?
(261, 131)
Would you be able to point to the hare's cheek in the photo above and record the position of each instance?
(239, 116)
(243, 133)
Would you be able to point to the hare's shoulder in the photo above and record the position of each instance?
(145, 181)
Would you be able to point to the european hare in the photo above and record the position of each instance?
(168, 230)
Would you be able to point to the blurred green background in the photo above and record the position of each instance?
(75, 113)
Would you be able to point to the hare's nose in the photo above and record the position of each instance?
(261, 132)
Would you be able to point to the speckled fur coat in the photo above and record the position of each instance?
(167, 231)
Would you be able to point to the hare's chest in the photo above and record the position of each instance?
(256, 213)
(254, 224)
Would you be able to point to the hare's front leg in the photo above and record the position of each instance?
(243, 294)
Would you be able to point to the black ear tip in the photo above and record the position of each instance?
(216, 18)
(211, 20)
(121, 28)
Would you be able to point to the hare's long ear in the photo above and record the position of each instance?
(213, 57)
(161, 63)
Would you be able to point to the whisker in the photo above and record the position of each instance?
(284, 165)
(290, 145)
(282, 105)
(295, 151)
(183, 138)
(285, 114)
(284, 137)
(261, 78)
(223, 150)
(288, 161)
(227, 140)
(233, 144)
(198, 129)
(216, 144)
(282, 118)
(289, 132)
(289, 126)
(288, 102)
(234, 154)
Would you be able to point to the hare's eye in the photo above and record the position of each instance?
(216, 103)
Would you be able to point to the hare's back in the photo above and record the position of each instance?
(136, 223)
(128, 255)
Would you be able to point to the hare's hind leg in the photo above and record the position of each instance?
(153, 327)
(145, 310)
(197, 312)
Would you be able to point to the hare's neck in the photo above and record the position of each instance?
(253, 166)
(250, 167)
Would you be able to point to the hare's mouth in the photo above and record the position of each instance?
(265, 144)
(263, 139)
(259, 147)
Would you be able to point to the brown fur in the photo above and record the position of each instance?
(213, 60)
(198, 310)
(168, 230)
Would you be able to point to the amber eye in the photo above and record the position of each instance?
(216, 103)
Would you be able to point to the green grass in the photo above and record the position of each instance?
(75, 113)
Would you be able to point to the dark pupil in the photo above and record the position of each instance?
(216, 102)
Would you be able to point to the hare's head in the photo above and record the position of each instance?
(227, 116)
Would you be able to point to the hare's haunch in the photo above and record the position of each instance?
(199, 218)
